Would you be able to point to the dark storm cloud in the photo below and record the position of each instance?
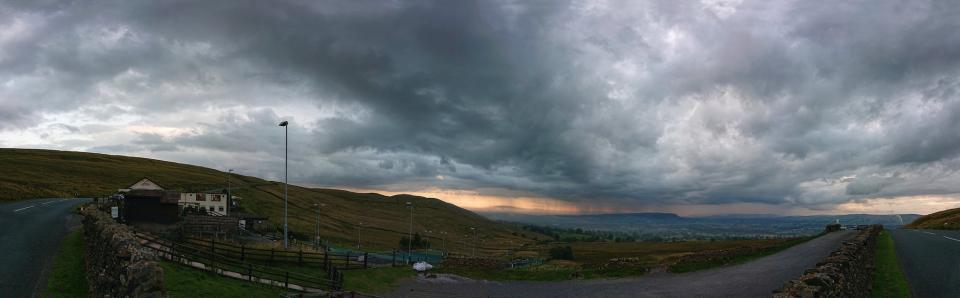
(659, 102)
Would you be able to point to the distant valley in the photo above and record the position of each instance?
(668, 226)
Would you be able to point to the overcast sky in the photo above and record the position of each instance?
(695, 107)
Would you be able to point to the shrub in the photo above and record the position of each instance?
(561, 253)
(418, 242)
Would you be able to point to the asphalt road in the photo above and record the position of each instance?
(930, 259)
(758, 278)
(30, 234)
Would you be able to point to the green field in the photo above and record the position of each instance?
(888, 280)
(46, 173)
(182, 281)
(67, 278)
(589, 258)
(762, 250)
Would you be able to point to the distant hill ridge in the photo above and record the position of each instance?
(944, 220)
(644, 215)
(32, 173)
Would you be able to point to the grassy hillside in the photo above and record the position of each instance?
(32, 173)
(944, 220)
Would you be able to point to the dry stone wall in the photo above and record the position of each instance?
(847, 272)
(116, 264)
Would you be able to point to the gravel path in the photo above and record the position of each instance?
(754, 279)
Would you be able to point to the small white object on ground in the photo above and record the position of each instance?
(422, 266)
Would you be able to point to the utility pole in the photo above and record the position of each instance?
(359, 228)
(317, 239)
(475, 239)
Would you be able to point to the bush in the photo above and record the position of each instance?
(418, 242)
(561, 253)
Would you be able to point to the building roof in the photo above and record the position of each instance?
(146, 184)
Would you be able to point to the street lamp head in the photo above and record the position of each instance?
(284, 123)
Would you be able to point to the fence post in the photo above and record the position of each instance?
(326, 261)
(271, 254)
(242, 254)
(286, 279)
(249, 272)
(347, 265)
(365, 260)
(300, 257)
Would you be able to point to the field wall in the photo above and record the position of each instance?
(116, 264)
(847, 272)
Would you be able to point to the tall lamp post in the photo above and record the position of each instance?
(286, 136)
(443, 242)
(410, 238)
(229, 198)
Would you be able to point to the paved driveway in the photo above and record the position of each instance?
(754, 279)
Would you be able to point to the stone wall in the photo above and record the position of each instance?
(116, 264)
(847, 272)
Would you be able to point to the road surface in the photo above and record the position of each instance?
(30, 234)
(758, 278)
(930, 260)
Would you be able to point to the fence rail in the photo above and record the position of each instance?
(341, 261)
(229, 266)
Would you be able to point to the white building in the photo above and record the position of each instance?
(214, 204)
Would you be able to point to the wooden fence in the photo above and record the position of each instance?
(325, 259)
(228, 265)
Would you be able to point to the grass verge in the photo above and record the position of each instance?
(739, 259)
(67, 278)
(556, 270)
(182, 281)
(888, 280)
(374, 280)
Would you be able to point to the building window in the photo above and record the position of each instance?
(201, 197)
(221, 208)
(216, 198)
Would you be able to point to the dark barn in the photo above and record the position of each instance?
(155, 206)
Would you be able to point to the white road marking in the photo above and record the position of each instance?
(50, 202)
(954, 239)
(24, 208)
(930, 233)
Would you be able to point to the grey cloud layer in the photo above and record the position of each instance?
(668, 102)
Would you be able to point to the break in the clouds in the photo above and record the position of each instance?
(790, 104)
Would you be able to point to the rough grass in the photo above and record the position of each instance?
(375, 280)
(762, 251)
(30, 173)
(589, 256)
(68, 278)
(182, 281)
(943, 220)
(888, 280)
